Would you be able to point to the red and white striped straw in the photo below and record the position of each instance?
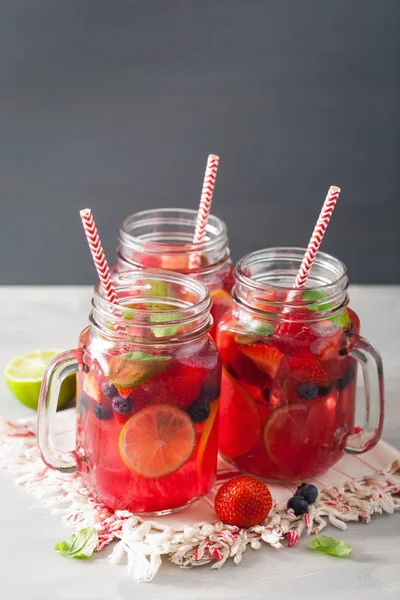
(315, 241)
(206, 197)
(100, 262)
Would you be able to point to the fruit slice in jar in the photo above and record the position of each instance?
(222, 301)
(205, 436)
(266, 356)
(240, 425)
(133, 368)
(295, 435)
(303, 366)
(174, 262)
(157, 441)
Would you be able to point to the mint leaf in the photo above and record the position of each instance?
(340, 320)
(160, 331)
(127, 314)
(134, 368)
(143, 356)
(80, 545)
(329, 545)
(256, 327)
(262, 328)
(315, 296)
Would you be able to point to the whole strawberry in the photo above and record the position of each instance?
(243, 501)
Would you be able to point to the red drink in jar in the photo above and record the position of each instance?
(290, 369)
(148, 396)
(163, 239)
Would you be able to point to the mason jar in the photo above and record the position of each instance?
(148, 387)
(290, 368)
(163, 239)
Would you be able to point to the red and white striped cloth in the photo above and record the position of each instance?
(353, 490)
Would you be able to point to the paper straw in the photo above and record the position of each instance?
(315, 241)
(100, 262)
(206, 197)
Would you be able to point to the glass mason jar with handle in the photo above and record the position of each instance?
(290, 362)
(163, 239)
(148, 386)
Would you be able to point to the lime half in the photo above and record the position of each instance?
(24, 376)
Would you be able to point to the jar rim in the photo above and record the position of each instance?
(216, 229)
(194, 309)
(291, 253)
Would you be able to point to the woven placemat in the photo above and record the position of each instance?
(353, 490)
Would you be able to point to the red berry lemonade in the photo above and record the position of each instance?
(290, 369)
(288, 399)
(163, 239)
(148, 406)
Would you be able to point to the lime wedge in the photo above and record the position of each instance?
(24, 376)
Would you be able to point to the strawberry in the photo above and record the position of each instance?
(303, 366)
(244, 501)
(266, 356)
(180, 385)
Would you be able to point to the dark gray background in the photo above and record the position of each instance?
(114, 105)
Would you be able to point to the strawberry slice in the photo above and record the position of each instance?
(266, 356)
(303, 366)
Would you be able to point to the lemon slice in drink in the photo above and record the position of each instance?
(24, 375)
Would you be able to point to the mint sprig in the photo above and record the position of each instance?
(340, 320)
(159, 330)
(79, 545)
(144, 356)
(328, 545)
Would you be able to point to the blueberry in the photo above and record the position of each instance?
(209, 394)
(266, 393)
(122, 405)
(103, 411)
(308, 491)
(83, 401)
(324, 390)
(340, 385)
(199, 412)
(307, 390)
(347, 378)
(109, 390)
(299, 505)
(349, 375)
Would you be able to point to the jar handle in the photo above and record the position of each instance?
(60, 367)
(372, 369)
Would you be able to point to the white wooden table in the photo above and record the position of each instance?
(52, 317)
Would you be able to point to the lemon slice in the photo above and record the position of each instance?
(24, 375)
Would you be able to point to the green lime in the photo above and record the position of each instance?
(24, 376)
